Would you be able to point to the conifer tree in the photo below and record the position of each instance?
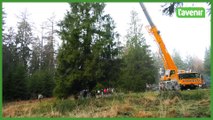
(88, 49)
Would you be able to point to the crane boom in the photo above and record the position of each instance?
(147, 15)
(169, 64)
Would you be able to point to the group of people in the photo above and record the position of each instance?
(83, 94)
(105, 91)
(87, 94)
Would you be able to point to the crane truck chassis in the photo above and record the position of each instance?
(173, 79)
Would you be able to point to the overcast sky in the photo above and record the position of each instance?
(188, 36)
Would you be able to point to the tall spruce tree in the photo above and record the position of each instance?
(14, 72)
(20, 70)
(9, 63)
(88, 49)
(138, 68)
(24, 38)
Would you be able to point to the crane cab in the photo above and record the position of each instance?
(190, 80)
(169, 75)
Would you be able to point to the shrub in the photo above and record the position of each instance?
(192, 95)
(64, 106)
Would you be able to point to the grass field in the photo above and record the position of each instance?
(167, 104)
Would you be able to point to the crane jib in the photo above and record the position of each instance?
(147, 15)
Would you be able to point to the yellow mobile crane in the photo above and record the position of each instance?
(173, 78)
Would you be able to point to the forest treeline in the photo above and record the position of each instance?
(90, 56)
